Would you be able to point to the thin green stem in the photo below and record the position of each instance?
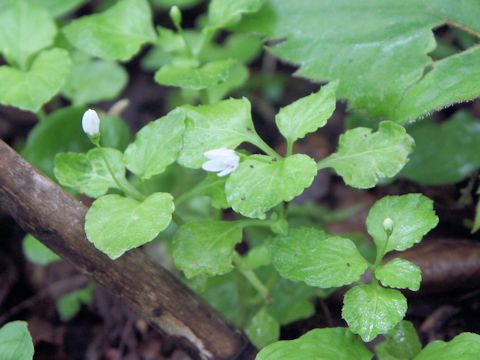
(255, 222)
(289, 147)
(381, 254)
(252, 278)
(125, 186)
(267, 149)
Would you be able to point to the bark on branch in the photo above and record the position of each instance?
(43, 209)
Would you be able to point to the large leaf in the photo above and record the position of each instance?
(379, 52)
(25, 28)
(401, 343)
(156, 145)
(60, 7)
(307, 114)
(206, 247)
(371, 310)
(363, 157)
(261, 182)
(29, 90)
(312, 256)
(224, 124)
(412, 215)
(432, 162)
(325, 344)
(115, 224)
(15, 341)
(89, 173)
(115, 34)
(93, 80)
(465, 346)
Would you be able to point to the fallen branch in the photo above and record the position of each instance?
(43, 209)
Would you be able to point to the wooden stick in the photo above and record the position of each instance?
(43, 209)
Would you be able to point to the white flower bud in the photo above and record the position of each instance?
(222, 160)
(388, 225)
(91, 123)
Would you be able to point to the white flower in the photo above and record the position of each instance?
(388, 225)
(91, 123)
(222, 160)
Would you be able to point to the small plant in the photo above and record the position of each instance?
(181, 173)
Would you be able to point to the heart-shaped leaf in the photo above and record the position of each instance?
(115, 224)
(31, 89)
(115, 34)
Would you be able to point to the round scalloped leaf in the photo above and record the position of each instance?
(261, 182)
(371, 310)
(15, 341)
(206, 247)
(412, 215)
(325, 344)
(400, 273)
(312, 256)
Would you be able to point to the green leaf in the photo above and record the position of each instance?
(400, 274)
(237, 77)
(312, 256)
(307, 114)
(226, 13)
(94, 80)
(195, 78)
(15, 341)
(432, 162)
(401, 343)
(263, 329)
(261, 182)
(225, 124)
(29, 90)
(25, 29)
(465, 346)
(88, 173)
(363, 157)
(69, 305)
(115, 34)
(36, 252)
(450, 73)
(460, 12)
(325, 344)
(380, 57)
(115, 224)
(60, 7)
(213, 186)
(156, 145)
(62, 132)
(412, 215)
(291, 301)
(371, 310)
(241, 47)
(206, 247)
